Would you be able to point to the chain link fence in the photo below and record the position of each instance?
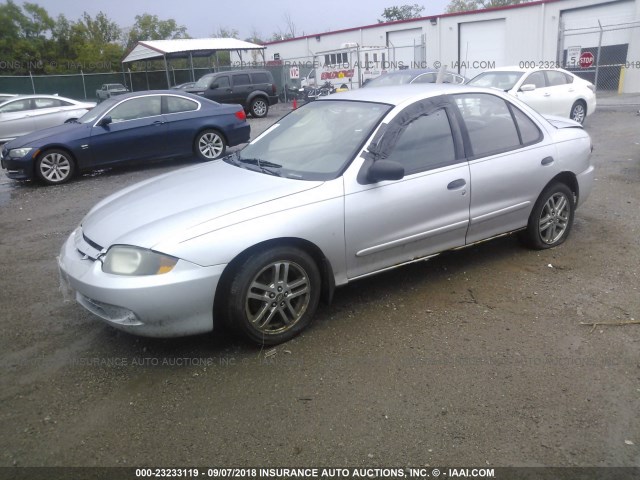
(83, 86)
(598, 53)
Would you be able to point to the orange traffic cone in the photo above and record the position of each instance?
(295, 103)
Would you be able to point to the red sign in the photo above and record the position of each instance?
(586, 60)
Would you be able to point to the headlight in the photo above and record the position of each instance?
(19, 152)
(126, 260)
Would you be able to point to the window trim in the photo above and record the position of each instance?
(163, 104)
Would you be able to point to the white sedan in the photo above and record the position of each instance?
(24, 114)
(549, 91)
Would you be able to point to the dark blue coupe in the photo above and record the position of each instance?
(129, 128)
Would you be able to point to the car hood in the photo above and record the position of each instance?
(167, 207)
(65, 132)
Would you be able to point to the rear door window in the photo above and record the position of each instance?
(241, 79)
(489, 123)
(260, 77)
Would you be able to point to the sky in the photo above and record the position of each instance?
(202, 18)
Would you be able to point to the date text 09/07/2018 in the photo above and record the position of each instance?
(246, 473)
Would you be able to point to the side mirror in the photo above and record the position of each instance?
(105, 121)
(385, 170)
(213, 86)
(529, 87)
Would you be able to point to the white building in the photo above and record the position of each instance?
(540, 33)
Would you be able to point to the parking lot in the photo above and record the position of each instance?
(490, 356)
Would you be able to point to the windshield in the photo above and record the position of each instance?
(203, 82)
(97, 111)
(399, 78)
(502, 80)
(314, 142)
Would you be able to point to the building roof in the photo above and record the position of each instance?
(409, 20)
(154, 49)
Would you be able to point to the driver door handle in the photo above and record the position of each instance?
(457, 184)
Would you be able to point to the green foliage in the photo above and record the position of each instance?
(403, 12)
(150, 27)
(468, 5)
(33, 42)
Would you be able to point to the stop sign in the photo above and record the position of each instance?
(586, 60)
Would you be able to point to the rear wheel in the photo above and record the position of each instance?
(578, 111)
(209, 145)
(551, 218)
(259, 107)
(274, 295)
(54, 167)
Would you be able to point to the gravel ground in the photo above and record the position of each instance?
(476, 358)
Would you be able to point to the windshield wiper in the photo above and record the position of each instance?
(265, 166)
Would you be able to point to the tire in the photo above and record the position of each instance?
(551, 218)
(578, 111)
(209, 145)
(274, 295)
(55, 167)
(259, 107)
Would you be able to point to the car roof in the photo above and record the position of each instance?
(398, 94)
(148, 93)
(515, 68)
(413, 71)
(22, 97)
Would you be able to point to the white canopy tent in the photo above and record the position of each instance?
(187, 48)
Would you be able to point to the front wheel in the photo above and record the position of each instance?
(551, 218)
(54, 167)
(578, 112)
(209, 145)
(274, 295)
(259, 107)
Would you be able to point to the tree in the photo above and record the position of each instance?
(290, 30)
(468, 5)
(403, 12)
(150, 27)
(224, 57)
(25, 44)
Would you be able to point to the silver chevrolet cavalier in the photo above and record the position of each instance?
(340, 189)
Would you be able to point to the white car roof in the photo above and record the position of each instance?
(398, 94)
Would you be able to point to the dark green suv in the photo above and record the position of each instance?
(253, 89)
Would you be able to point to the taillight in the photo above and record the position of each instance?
(273, 88)
(240, 115)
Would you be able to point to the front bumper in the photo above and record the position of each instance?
(17, 168)
(173, 304)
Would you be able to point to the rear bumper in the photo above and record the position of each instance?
(273, 99)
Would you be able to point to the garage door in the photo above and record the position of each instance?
(482, 45)
(405, 47)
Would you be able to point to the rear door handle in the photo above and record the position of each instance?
(547, 94)
(547, 161)
(158, 122)
(457, 184)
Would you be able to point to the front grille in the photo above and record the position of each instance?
(87, 247)
(91, 242)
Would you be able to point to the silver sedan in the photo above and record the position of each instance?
(24, 114)
(340, 189)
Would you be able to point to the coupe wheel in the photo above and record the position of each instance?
(210, 145)
(259, 107)
(274, 295)
(54, 167)
(578, 112)
(552, 217)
